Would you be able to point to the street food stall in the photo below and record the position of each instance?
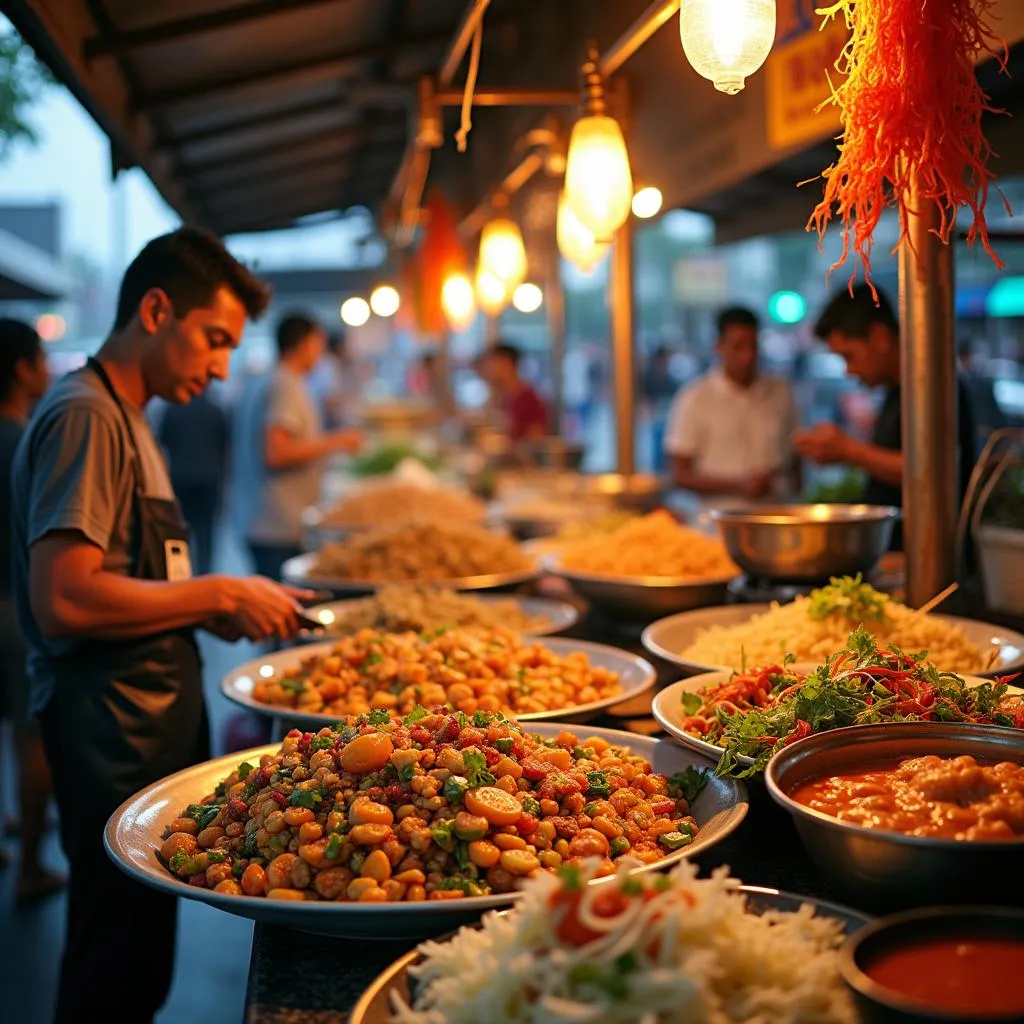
(499, 701)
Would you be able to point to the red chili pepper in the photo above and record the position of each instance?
(280, 796)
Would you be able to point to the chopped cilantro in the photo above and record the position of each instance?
(689, 783)
(597, 784)
(203, 814)
(462, 719)
(455, 787)
(321, 743)
(378, 717)
(292, 685)
(443, 834)
(504, 744)
(419, 712)
(481, 719)
(462, 855)
(407, 772)
(373, 658)
(333, 849)
(477, 773)
(310, 798)
(244, 770)
(691, 703)
(584, 754)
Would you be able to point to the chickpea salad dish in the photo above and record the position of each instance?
(433, 806)
(467, 670)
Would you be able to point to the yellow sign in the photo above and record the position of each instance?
(797, 83)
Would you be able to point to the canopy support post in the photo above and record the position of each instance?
(928, 399)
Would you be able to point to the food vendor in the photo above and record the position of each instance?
(106, 602)
(280, 447)
(866, 334)
(729, 432)
(523, 410)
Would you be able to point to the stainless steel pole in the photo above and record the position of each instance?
(929, 407)
(622, 348)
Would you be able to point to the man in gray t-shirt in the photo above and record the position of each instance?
(280, 447)
(104, 594)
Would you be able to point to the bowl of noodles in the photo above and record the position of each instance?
(650, 566)
(813, 627)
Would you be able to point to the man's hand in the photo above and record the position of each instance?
(224, 629)
(258, 608)
(824, 444)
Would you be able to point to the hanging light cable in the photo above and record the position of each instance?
(598, 181)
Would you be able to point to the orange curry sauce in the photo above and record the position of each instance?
(942, 798)
(970, 975)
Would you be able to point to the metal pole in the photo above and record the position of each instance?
(928, 395)
(622, 348)
(656, 15)
(460, 43)
(554, 298)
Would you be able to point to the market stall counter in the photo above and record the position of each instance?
(298, 977)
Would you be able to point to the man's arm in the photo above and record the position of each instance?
(687, 477)
(283, 450)
(882, 464)
(72, 595)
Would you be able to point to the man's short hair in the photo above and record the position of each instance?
(504, 350)
(293, 330)
(19, 343)
(189, 265)
(736, 316)
(855, 314)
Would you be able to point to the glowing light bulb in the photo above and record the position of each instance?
(528, 298)
(726, 41)
(458, 301)
(491, 293)
(598, 181)
(647, 202)
(355, 311)
(575, 242)
(384, 300)
(502, 252)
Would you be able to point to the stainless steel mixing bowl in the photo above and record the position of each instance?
(887, 871)
(806, 542)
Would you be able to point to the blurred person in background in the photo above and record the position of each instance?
(194, 438)
(279, 448)
(729, 432)
(866, 334)
(988, 416)
(332, 382)
(520, 407)
(23, 381)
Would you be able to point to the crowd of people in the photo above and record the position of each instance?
(107, 540)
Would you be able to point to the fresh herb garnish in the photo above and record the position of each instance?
(309, 798)
(598, 784)
(689, 783)
(477, 773)
(379, 717)
(419, 712)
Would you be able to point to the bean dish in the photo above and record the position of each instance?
(434, 806)
(470, 670)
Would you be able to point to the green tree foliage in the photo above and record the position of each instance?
(22, 79)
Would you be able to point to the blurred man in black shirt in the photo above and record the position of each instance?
(866, 335)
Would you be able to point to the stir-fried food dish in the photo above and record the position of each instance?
(493, 670)
(813, 627)
(754, 712)
(384, 502)
(430, 807)
(938, 797)
(652, 545)
(423, 609)
(655, 949)
(421, 551)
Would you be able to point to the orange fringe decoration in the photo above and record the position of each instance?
(911, 108)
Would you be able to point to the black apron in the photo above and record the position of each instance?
(124, 714)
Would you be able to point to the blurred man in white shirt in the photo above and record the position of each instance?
(729, 432)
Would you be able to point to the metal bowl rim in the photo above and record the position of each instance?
(562, 615)
(292, 569)
(865, 986)
(841, 737)
(552, 564)
(791, 515)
